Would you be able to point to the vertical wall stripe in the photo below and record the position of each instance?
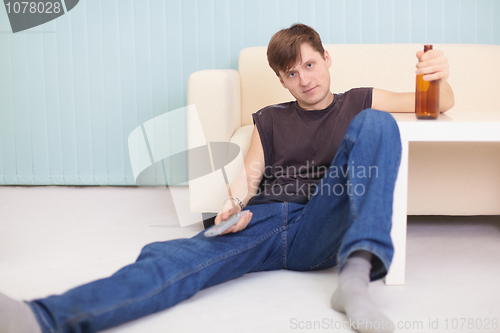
(385, 21)
(369, 22)
(403, 21)
(435, 27)
(468, 18)
(237, 39)
(52, 102)
(38, 114)
(114, 118)
(73, 89)
(5, 95)
(45, 174)
(338, 22)
(452, 21)
(206, 34)
(222, 34)
(496, 22)
(7, 133)
(322, 19)
(485, 22)
(82, 100)
(287, 12)
(21, 116)
(252, 23)
(353, 22)
(69, 134)
(305, 12)
(419, 25)
(127, 72)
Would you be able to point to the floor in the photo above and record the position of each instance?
(54, 238)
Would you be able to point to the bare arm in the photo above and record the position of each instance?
(245, 186)
(434, 65)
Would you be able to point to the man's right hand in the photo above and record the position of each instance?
(228, 209)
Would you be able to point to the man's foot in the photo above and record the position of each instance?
(353, 299)
(17, 317)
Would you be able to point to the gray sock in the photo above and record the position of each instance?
(353, 299)
(17, 317)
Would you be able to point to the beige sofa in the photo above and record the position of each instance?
(455, 178)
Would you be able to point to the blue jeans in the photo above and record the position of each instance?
(350, 210)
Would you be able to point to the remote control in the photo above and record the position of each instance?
(224, 225)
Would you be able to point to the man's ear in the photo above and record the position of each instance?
(328, 59)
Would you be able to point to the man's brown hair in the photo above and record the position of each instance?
(283, 51)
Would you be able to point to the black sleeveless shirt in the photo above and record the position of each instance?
(300, 145)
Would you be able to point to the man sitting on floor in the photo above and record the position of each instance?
(318, 183)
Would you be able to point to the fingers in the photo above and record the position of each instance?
(228, 209)
(433, 64)
(429, 54)
(224, 214)
(242, 223)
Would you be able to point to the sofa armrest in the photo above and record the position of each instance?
(216, 95)
(242, 138)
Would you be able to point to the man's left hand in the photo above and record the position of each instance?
(433, 64)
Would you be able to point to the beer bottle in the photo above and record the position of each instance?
(426, 96)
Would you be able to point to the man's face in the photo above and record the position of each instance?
(309, 80)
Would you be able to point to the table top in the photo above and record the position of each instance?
(451, 126)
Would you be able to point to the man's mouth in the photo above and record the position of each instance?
(310, 90)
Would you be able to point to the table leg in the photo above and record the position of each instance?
(396, 274)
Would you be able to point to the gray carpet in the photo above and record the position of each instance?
(55, 238)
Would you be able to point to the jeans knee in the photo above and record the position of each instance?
(380, 120)
(151, 250)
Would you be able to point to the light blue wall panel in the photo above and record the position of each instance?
(452, 21)
(419, 21)
(468, 21)
(7, 149)
(322, 18)
(496, 22)
(353, 21)
(306, 10)
(38, 112)
(385, 16)
(21, 107)
(73, 89)
(237, 28)
(271, 17)
(485, 24)
(403, 20)
(435, 22)
(112, 129)
(337, 12)
(369, 21)
(131, 113)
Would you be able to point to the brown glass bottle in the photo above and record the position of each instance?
(426, 96)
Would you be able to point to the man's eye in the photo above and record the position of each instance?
(291, 75)
(309, 65)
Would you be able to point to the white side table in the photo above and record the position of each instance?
(449, 127)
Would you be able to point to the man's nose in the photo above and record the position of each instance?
(304, 79)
